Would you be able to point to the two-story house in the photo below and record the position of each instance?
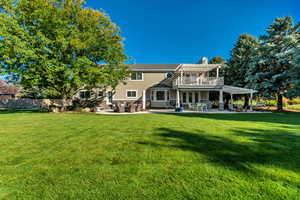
(170, 85)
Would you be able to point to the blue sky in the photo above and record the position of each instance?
(183, 31)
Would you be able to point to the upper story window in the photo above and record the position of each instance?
(169, 75)
(137, 76)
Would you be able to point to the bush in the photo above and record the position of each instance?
(273, 102)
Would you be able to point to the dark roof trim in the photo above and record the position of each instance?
(154, 67)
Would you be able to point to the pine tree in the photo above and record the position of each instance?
(240, 58)
(236, 68)
(272, 66)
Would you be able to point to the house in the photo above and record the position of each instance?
(7, 95)
(171, 85)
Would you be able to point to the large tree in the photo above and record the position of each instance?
(275, 61)
(57, 45)
(236, 68)
(239, 61)
(217, 60)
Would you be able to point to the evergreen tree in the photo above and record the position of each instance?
(239, 62)
(274, 62)
(217, 60)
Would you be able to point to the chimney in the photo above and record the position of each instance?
(204, 60)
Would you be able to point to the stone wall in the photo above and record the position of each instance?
(31, 104)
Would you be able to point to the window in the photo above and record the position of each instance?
(184, 97)
(169, 75)
(100, 94)
(137, 76)
(85, 94)
(190, 97)
(131, 93)
(196, 97)
(160, 95)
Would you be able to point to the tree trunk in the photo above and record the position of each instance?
(246, 104)
(279, 102)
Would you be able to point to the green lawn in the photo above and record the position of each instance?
(151, 156)
(296, 107)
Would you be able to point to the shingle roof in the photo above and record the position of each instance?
(154, 67)
(6, 93)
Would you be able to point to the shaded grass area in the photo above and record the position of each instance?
(152, 156)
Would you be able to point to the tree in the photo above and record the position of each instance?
(274, 63)
(56, 46)
(294, 91)
(239, 61)
(217, 60)
(236, 68)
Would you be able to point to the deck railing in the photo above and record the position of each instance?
(198, 81)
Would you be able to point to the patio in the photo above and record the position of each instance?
(172, 111)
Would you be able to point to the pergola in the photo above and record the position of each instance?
(237, 90)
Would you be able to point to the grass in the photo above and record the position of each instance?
(295, 107)
(152, 156)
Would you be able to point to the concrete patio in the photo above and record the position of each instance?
(171, 111)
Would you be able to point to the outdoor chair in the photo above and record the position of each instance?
(230, 107)
(190, 106)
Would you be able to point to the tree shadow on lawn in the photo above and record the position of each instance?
(282, 118)
(276, 148)
(20, 111)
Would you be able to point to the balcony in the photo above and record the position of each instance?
(198, 82)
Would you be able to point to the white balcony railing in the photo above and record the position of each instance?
(198, 81)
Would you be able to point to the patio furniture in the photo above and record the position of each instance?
(201, 107)
(179, 109)
(230, 107)
(98, 108)
(139, 108)
(119, 108)
(132, 108)
(191, 106)
(239, 108)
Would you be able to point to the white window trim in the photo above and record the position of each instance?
(131, 91)
(137, 80)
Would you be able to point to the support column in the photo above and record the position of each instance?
(144, 99)
(193, 97)
(218, 72)
(181, 77)
(177, 98)
(231, 98)
(251, 98)
(221, 103)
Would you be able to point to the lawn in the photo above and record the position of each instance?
(150, 156)
(295, 107)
